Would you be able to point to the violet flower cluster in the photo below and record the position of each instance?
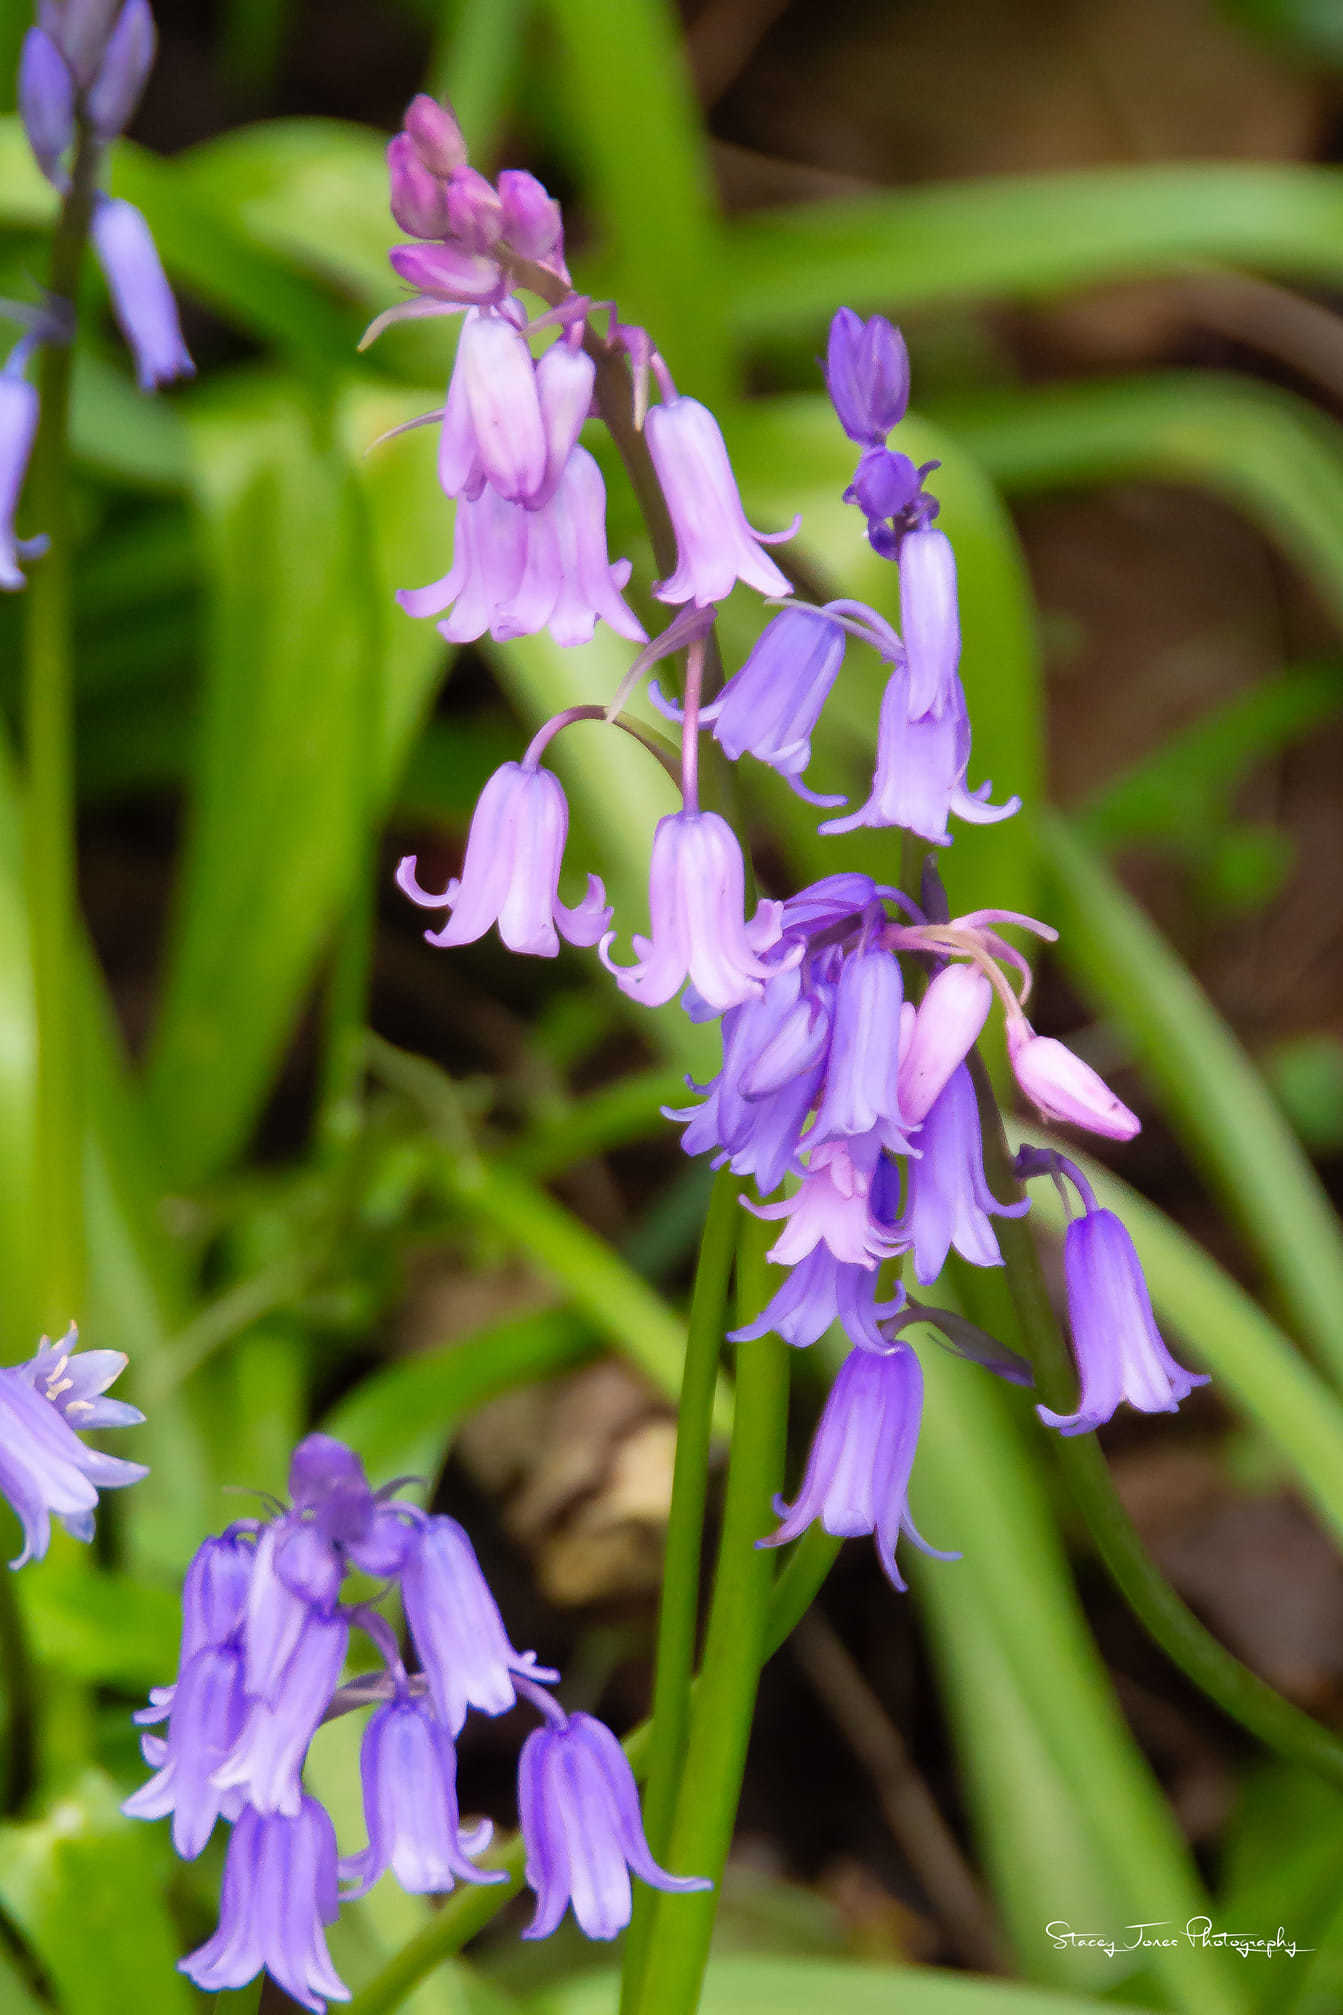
(81, 72)
(46, 1471)
(266, 1636)
(849, 1012)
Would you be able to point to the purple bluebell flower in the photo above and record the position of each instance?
(517, 571)
(823, 904)
(46, 101)
(511, 872)
(456, 1627)
(492, 427)
(280, 1892)
(123, 72)
(142, 300)
(715, 547)
(930, 623)
(408, 1770)
(945, 1029)
(45, 1468)
(265, 1762)
(1061, 1087)
(80, 29)
(866, 375)
(18, 429)
(857, 1475)
(863, 1069)
(206, 1715)
(887, 485)
(921, 769)
(696, 897)
(769, 707)
(821, 1290)
(1119, 1351)
(583, 1831)
(949, 1200)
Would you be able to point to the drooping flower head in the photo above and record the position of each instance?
(715, 546)
(45, 1469)
(280, 1895)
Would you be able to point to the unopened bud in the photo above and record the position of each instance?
(1060, 1086)
(129, 58)
(419, 200)
(475, 217)
(435, 134)
(46, 100)
(449, 273)
(80, 30)
(531, 218)
(947, 1024)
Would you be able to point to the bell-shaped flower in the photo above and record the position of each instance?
(45, 1469)
(945, 1030)
(1061, 1087)
(862, 1453)
(517, 571)
(769, 707)
(142, 300)
(715, 547)
(265, 1763)
(408, 1771)
(456, 1627)
(18, 429)
(492, 428)
(280, 1892)
(949, 1200)
(206, 1718)
(583, 1830)
(863, 1067)
(821, 1290)
(696, 902)
(921, 768)
(834, 1208)
(1118, 1347)
(511, 872)
(866, 375)
(930, 623)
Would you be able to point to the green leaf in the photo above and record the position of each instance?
(1028, 236)
(85, 1888)
(1216, 1100)
(752, 1984)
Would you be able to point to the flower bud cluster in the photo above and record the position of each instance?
(265, 1639)
(81, 72)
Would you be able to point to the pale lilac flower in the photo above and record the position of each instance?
(492, 427)
(866, 375)
(265, 1762)
(857, 1475)
(949, 1198)
(583, 1831)
(127, 61)
(418, 199)
(45, 1469)
(517, 571)
(833, 1207)
(945, 1030)
(206, 1716)
(821, 1290)
(18, 429)
(531, 219)
(449, 273)
(769, 707)
(435, 135)
(46, 101)
(456, 1627)
(696, 897)
(511, 872)
(930, 624)
(280, 1891)
(80, 29)
(1118, 1347)
(715, 547)
(408, 1771)
(1060, 1086)
(142, 300)
(921, 769)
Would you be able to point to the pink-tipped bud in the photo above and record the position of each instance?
(419, 200)
(531, 218)
(435, 134)
(448, 273)
(1060, 1086)
(949, 1019)
(475, 217)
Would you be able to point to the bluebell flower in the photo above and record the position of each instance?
(715, 546)
(456, 1627)
(583, 1830)
(949, 1201)
(45, 1469)
(18, 429)
(46, 102)
(280, 1893)
(408, 1771)
(142, 300)
(866, 375)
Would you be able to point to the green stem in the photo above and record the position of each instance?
(469, 1910)
(50, 866)
(1217, 1672)
(734, 1651)
(678, 1615)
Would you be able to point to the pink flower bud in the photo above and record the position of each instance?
(949, 1019)
(474, 213)
(531, 218)
(1060, 1086)
(435, 134)
(418, 199)
(450, 274)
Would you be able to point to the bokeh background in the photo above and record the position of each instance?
(1114, 240)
